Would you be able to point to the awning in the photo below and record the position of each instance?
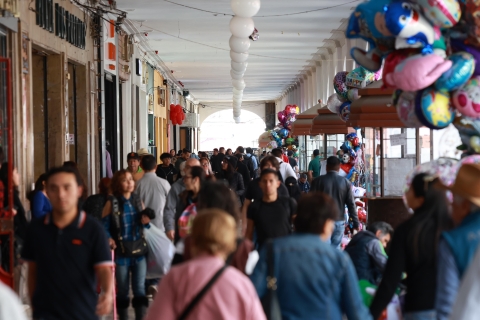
(374, 108)
(301, 127)
(310, 113)
(327, 122)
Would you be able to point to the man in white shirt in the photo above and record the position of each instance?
(153, 190)
(286, 169)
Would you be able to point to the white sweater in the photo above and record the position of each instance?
(286, 170)
(10, 306)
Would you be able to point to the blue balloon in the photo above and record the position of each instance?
(433, 109)
(283, 133)
(460, 72)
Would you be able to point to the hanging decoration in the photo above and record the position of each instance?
(176, 114)
(434, 85)
(243, 31)
(281, 135)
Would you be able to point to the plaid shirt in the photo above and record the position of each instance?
(130, 230)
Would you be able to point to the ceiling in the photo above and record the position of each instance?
(194, 43)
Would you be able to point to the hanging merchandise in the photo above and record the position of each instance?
(359, 78)
(404, 101)
(352, 164)
(467, 98)
(469, 130)
(433, 108)
(344, 111)
(340, 84)
(461, 70)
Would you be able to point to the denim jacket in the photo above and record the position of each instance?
(314, 280)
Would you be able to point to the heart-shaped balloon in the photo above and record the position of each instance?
(281, 116)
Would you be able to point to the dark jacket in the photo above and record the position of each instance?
(367, 256)
(340, 189)
(217, 162)
(235, 183)
(243, 170)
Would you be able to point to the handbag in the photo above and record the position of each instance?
(270, 303)
(200, 295)
(129, 249)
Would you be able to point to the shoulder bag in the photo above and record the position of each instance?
(270, 303)
(136, 248)
(202, 293)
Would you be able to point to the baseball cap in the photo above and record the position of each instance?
(133, 155)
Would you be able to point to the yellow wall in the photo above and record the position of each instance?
(160, 112)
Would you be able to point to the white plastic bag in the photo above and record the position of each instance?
(160, 252)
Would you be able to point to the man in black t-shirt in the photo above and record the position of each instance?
(271, 216)
(67, 253)
(167, 170)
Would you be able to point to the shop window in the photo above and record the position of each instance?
(372, 150)
(334, 142)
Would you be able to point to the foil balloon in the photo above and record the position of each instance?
(289, 141)
(433, 108)
(352, 94)
(459, 45)
(368, 23)
(359, 78)
(473, 159)
(467, 98)
(291, 117)
(418, 72)
(405, 104)
(340, 84)
(461, 70)
(344, 111)
(391, 62)
(281, 117)
(411, 29)
(442, 13)
(443, 168)
(297, 109)
(283, 133)
(334, 102)
(469, 130)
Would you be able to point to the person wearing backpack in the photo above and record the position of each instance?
(256, 164)
(271, 216)
(247, 161)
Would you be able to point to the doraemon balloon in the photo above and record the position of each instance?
(344, 111)
(433, 108)
(409, 26)
(442, 13)
(467, 98)
(460, 72)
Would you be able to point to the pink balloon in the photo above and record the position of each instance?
(281, 116)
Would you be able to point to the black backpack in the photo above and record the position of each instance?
(248, 162)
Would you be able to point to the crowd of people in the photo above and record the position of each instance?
(250, 237)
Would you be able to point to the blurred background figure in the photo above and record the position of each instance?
(39, 203)
(95, 203)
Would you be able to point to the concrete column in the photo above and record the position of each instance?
(318, 81)
(314, 86)
(310, 89)
(306, 83)
(350, 64)
(302, 95)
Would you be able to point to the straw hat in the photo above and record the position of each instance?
(143, 152)
(467, 183)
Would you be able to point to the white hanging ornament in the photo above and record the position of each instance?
(239, 67)
(241, 27)
(236, 76)
(238, 84)
(245, 8)
(236, 91)
(239, 44)
(238, 56)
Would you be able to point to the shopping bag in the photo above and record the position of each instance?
(160, 252)
(393, 310)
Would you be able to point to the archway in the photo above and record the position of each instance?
(220, 130)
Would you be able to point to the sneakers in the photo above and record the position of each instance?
(152, 291)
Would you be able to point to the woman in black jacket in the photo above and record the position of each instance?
(413, 250)
(233, 179)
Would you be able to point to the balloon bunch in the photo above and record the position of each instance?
(242, 28)
(349, 152)
(346, 85)
(281, 134)
(430, 50)
(176, 114)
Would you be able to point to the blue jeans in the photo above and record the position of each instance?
(337, 234)
(138, 270)
(421, 315)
